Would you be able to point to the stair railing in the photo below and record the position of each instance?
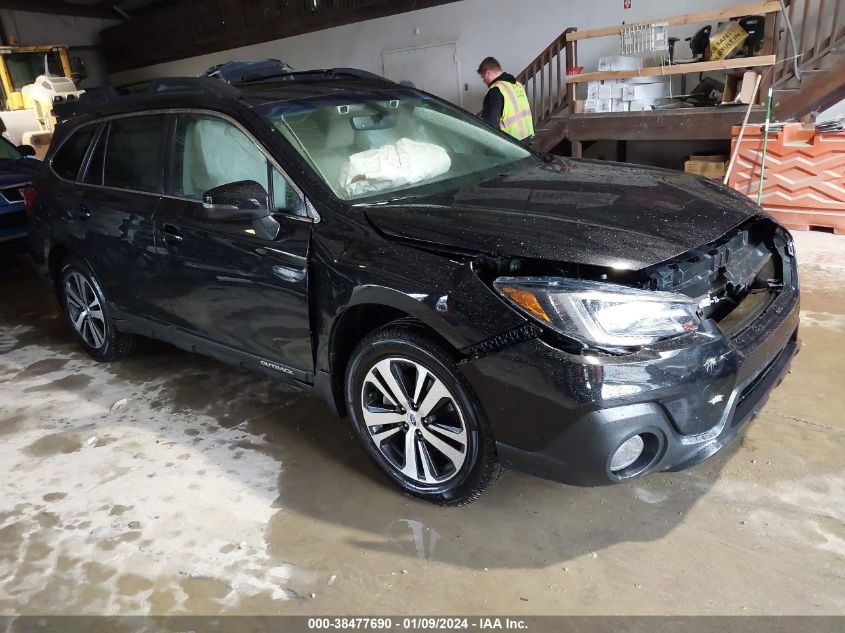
(545, 81)
(817, 26)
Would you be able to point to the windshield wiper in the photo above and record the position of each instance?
(387, 201)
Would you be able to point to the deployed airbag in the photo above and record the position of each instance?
(405, 162)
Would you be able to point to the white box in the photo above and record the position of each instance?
(620, 62)
(617, 105)
(593, 90)
(610, 90)
(627, 62)
(645, 92)
(636, 106)
(597, 105)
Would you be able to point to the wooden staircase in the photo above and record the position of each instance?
(808, 77)
(819, 81)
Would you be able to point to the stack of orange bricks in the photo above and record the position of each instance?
(804, 180)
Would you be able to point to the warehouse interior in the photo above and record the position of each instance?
(168, 483)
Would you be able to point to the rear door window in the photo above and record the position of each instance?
(94, 172)
(134, 153)
(68, 159)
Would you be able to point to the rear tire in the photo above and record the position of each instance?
(406, 396)
(86, 309)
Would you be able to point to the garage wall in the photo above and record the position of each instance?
(41, 28)
(514, 31)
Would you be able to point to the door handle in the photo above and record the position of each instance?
(83, 212)
(172, 233)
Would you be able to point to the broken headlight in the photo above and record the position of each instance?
(601, 314)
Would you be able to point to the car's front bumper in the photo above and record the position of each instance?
(562, 416)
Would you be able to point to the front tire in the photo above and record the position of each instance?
(86, 310)
(417, 417)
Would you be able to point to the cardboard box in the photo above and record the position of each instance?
(739, 89)
(593, 89)
(712, 166)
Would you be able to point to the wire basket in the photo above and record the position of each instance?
(644, 39)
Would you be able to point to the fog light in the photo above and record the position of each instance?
(627, 453)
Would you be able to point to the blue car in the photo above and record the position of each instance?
(17, 169)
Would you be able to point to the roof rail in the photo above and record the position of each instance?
(196, 85)
(96, 98)
(356, 73)
(323, 73)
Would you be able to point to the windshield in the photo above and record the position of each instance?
(384, 146)
(24, 68)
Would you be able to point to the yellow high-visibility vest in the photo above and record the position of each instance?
(516, 116)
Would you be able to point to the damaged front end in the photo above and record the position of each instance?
(613, 310)
(670, 360)
(734, 280)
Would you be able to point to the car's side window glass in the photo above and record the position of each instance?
(68, 159)
(211, 152)
(285, 197)
(133, 153)
(94, 172)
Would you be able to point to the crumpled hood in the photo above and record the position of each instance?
(581, 212)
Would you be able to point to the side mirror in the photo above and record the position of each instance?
(27, 151)
(243, 200)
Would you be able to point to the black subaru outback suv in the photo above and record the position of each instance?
(467, 302)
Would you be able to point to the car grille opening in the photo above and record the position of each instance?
(734, 279)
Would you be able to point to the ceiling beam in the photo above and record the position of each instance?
(58, 7)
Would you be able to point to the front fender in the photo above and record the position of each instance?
(444, 294)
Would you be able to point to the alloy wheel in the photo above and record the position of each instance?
(85, 310)
(414, 420)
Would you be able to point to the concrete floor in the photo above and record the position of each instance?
(171, 483)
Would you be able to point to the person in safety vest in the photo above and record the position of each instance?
(506, 104)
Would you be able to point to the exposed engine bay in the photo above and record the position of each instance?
(733, 279)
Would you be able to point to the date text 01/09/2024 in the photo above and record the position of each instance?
(416, 623)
